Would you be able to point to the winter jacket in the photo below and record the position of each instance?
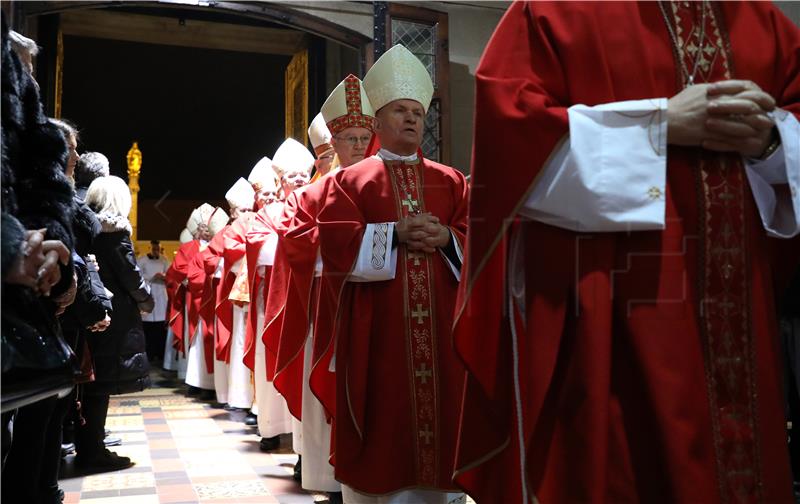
(118, 353)
(91, 304)
(37, 195)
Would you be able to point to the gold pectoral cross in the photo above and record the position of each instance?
(410, 204)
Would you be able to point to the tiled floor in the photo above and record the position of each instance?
(185, 451)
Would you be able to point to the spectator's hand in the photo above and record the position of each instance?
(101, 325)
(68, 297)
(158, 277)
(24, 269)
(91, 258)
(49, 272)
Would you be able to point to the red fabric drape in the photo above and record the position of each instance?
(608, 376)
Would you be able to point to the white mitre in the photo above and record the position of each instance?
(292, 156)
(262, 177)
(241, 195)
(398, 75)
(199, 215)
(348, 107)
(319, 135)
(186, 236)
(217, 220)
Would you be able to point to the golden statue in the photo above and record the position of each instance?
(134, 167)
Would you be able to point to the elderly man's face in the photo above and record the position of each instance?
(294, 179)
(203, 233)
(351, 145)
(399, 126)
(323, 162)
(265, 197)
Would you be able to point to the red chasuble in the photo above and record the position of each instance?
(642, 367)
(201, 289)
(399, 383)
(176, 274)
(299, 244)
(261, 226)
(217, 309)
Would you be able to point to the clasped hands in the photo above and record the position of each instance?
(422, 232)
(726, 116)
(37, 264)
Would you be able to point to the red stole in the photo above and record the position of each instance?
(260, 228)
(398, 379)
(176, 291)
(642, 367)
(201, 290)
(299, 245)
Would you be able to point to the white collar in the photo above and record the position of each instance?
(391, 156)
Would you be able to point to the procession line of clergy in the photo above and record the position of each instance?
(336, 294)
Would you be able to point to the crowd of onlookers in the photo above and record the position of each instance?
(72, 292)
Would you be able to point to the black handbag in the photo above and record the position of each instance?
(36, 361)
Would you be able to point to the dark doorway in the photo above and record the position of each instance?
(202, 117)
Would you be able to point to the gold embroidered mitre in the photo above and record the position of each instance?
(398, 75)
(348, 107)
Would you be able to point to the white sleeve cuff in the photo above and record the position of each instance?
(266, 255)
(220, 265)
(611, 174)
(779, 210)
(377, 260)
(454, 268)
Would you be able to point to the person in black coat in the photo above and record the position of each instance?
(120, 360)
(38, 277)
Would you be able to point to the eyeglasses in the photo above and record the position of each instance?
(353, 140)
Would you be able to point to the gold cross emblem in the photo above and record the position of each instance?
(423, 373)
(416, 256)
(419, 314)
(654, 193)
(426, 433)
(410, 204)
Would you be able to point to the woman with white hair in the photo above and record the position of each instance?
(120, 360)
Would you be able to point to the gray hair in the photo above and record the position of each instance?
(109, 195)
(90, 166)
(22, 44)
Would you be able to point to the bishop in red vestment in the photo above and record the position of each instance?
(617, 313)
(389, 239)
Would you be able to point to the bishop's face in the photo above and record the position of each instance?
(294, 179)
(265, 197)
(399, 126)
(351, 145)
(323, 162)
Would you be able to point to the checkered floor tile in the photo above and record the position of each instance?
(183, 455)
